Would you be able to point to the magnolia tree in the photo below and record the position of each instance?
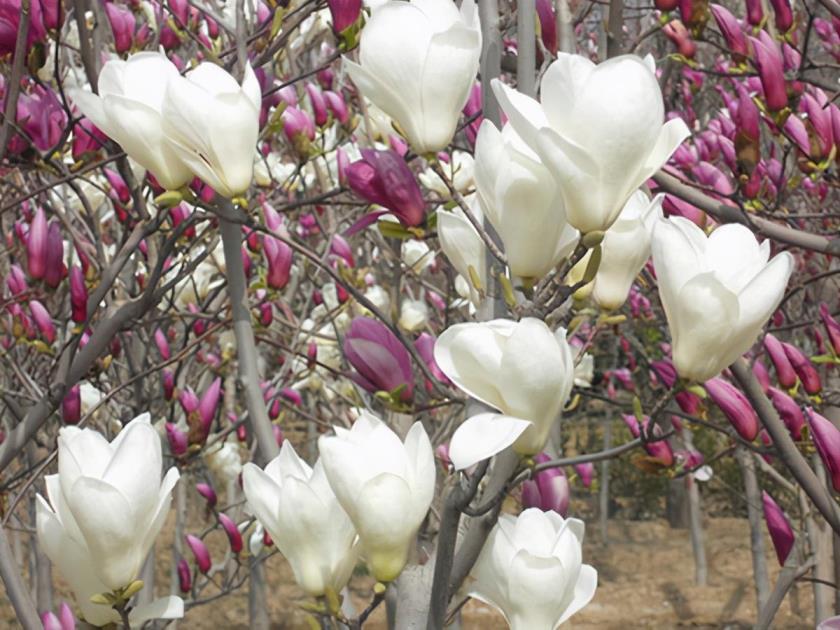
(349, 279)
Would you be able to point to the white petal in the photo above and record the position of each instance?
(482, 436)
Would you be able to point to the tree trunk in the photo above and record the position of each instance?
(754, 513)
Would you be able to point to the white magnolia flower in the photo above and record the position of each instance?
(224, 462)
(463, 246)
(717, 292)
(106, 506)
(520, 368)
(414, 315)
(212, 124)
(598, 129)
(459, 170)
(531, 570)
(379, 297)
(418, 63)
(295, 503)
(129, 110)
(384, 485)
(520, 198)
(417, 255)
(625, 249)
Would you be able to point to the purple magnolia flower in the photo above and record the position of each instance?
(184, 575)
(41, 117)
(826, 438)
(71, 405)
(122, 25)
(36, 245)
(548, 490)
(278, 255)
(425, 345)
(734, 406)
(548, 25)
(207, 491)
(383, 178)
(780, 530)
(381, 362)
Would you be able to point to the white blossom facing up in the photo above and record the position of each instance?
(385, 486)
(625, 249)
(129, 109)
(523, 369)
(295, 503)
(598, 128)
(531, 570)
(520, 198)
(418, 62)
(717, 292)
(105, 508)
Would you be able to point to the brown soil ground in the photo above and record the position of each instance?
(646, 580)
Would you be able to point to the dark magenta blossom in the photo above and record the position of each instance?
(381, 362)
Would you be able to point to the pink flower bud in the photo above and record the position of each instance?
(755, 13)
(55, 268)
(50, 621)
(761, 374)
(209, 494)
(819, 119)
(180, 11)
(770, 64)
(783, 14)
(297, 125)
(42, 320)
(826, 438)
(831, 326)
(312, 354)
(162, 344)
(177, 439)
(380, 360)
(784, 370)
(804, 369)
(789, 411)
(344, 13)
(548, 25)
(232, 531)
(36, 245)
(675, 31)
(71, 406)
(200, 551)
(780, 530)
(189, 400)
(341, 248)
(266, 314)
(586, 472)
(383, 177)
(659, 450)
(337, 106)
(278, 434)
(184, 576)
(425, 345)
(319, 104)
(16, 280)
(734, 406)
(731, 30)
(168, 380)
(122, 25)
(78, 295)
(65, 616)
(278, 255)
(209, 404)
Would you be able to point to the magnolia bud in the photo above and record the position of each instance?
(734, 406)
(200, 552)
(780, 530)
(784, 370)
(209, 494)
(184, 576)
(826, 438)
(36, 245)
(71, 405)
(804, 369)
(232, 531)
(177, 440)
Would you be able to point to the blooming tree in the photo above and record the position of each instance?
(350, 276)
